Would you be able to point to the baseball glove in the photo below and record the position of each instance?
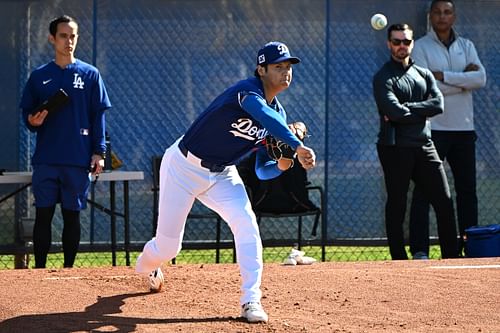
(277, 149)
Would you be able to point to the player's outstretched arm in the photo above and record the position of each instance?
(306, 156)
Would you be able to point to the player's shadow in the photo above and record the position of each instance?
(95, 317)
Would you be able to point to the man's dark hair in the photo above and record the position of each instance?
(434, 2)
(256, 72)
(61, 19)
(398, 27)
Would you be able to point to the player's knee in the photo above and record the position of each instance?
(166, 248)
(244, 227)
(245, 215)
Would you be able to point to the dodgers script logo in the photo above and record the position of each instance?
(244, 128)
(78, 82)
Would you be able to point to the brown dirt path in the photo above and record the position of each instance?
(461, 295)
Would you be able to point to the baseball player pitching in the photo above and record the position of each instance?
(201, 165)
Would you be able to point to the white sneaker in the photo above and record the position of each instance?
(297, 257)
(156, 280)
(253, 312)
(303, 260)
(290, 261)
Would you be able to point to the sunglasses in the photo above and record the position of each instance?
(397, 42)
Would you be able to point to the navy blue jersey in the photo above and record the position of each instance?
(225, 131)
(71, 135)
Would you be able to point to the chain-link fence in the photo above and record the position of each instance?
(163, 62)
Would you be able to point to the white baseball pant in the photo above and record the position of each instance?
(182, 180)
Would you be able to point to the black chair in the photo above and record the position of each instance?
(314, 211)
(287, 196)
(204, 213)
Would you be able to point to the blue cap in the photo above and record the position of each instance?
(275, 52)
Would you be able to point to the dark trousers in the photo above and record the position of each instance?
(459, 150)
(42, 235)
(423, 166)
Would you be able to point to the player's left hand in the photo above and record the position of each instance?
(96, 164)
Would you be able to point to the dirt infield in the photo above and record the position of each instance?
(460, 295)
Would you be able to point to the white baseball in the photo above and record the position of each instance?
(378, 21)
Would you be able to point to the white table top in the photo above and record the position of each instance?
(23, 177)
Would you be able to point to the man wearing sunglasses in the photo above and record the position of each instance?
(456, 66)
(406, 96)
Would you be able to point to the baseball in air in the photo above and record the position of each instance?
(379, 21)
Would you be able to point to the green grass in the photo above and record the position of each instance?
(271, 255)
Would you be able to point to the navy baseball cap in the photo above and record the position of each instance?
(275, 52)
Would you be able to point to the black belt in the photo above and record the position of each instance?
(212, 167)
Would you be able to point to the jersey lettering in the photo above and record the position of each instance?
(245, 129)
(78, 82)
